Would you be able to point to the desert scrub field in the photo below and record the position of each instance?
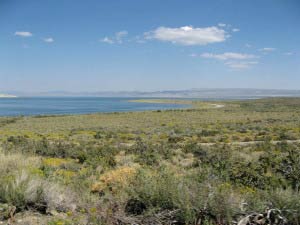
(201, 165)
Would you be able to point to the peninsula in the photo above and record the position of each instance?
(7, 96)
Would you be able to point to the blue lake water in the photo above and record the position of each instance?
(75, 105)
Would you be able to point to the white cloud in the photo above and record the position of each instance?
(248, 45)
(48, 40)
(221, 24)
(240, 65)
(120, 35)
(188, 35)
(267, 49)
(233, 60)
(235, 30)
(107, 40)
(288, 53)
(228, 55)
(139, 39)
(23, 33)
(117, 38)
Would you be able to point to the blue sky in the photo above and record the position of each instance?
(97, 45)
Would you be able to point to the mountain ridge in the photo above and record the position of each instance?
(188, 93)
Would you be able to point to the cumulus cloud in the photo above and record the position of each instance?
(235, 30)
(240, 65)
(23, 33)
(288, 53)
(117, 38)
(188, 35)
(48, 40)
(228, 55)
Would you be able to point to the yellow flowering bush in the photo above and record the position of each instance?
(115, 179)
(56, 162)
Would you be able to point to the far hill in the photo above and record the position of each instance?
(209, 93)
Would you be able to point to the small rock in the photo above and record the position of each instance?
(52, 212)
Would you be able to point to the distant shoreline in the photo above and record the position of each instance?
(203, 93)
(192, 103)
(7, 96)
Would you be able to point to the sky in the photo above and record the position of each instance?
(148, 45)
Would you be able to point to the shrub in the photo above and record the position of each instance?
(114, 180)
(22, 189)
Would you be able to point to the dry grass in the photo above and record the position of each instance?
(22, 187)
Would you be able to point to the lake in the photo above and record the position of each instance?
(75, 105)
